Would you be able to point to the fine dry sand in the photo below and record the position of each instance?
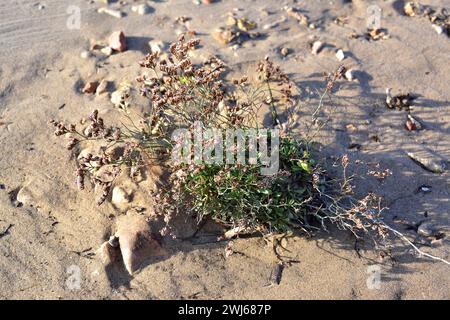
(41, 77)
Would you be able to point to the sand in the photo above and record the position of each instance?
(53, 236)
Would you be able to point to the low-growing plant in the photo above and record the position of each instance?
(299, 195)
(239, 195)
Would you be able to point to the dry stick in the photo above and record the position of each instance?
(313, 117)
(402, 236)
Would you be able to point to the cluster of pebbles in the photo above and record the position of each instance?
(439, 18)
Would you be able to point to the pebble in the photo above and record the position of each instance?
(222, 36)
(113, 241)
(426, 229)
(270, 26)
(284, 51)
(114, 13)
(424, 188)
(116, 96)
(106, 51)
(107, 253)
(412, 123)
(85, 54)
(301, 18)
(156, 46)
(231, 21)
(340, 55)
(316, 47)
(137, 241)
(233, 232)
(24, 196)
(349, 75)
(117, 41)
(102, 87)
(246, 25)
(409, 9)
(119, 196)
(141, 9)
(90, 87)
(428, 161)
(438, 29)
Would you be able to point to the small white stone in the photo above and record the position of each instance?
(316, 47)
(143, 9)
(102, 87)
(438, 29)
(116, 96)
(426, 229)
(349, 75)
(340, 55)
(85, 54)
(156, 46)
(270, 26)
(119, 196)
(106, 51)
(25, 196)
(114, 13)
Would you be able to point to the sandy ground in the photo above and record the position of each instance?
(41, 76)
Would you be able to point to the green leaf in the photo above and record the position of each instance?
(305, 165)
(184, 80)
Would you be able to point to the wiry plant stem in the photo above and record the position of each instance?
(403, 237)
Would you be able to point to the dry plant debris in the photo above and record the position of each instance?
(400, 101)
(374, 34)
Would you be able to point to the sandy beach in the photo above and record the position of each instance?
(50, 231)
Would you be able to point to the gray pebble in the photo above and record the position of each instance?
(426, 229)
